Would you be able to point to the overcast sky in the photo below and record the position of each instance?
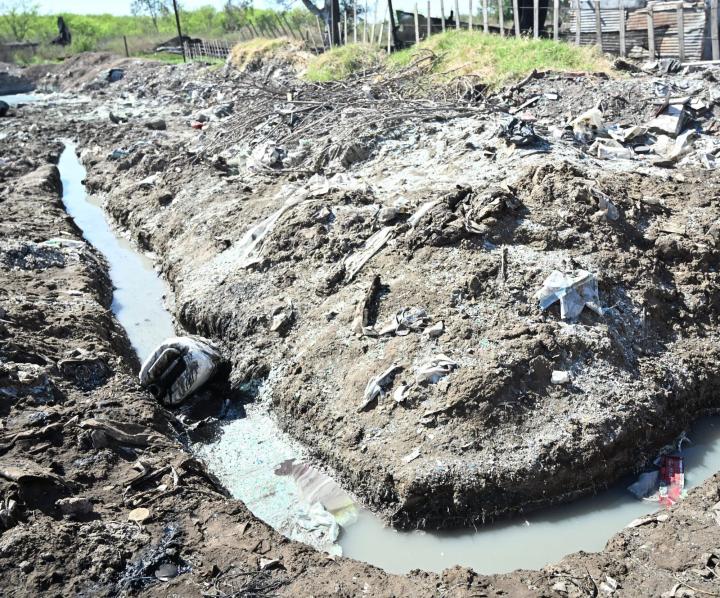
(122, 7)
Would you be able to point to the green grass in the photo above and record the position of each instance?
(341, 62)
(496, 60)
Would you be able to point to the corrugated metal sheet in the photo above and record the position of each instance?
(665, 19)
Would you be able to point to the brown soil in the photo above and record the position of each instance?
(494, 436)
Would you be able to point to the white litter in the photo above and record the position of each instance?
(574, 291)
(434, 369)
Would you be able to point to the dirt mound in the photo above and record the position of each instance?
(261, 53)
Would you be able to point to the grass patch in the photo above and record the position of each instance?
(250, 55)
(497, 60)
(340, 62)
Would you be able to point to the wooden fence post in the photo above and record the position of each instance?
(485, 16)
(365, 22)
(127, 52)
(457, 14)
(621, 16)
(429, 21)
(681, 31)
(354, 21)
(320, 31)
(536, 18)
(598, 25)
(516, 18)
(417, 25)
(442, 15)
(501, 18)
(578, 22)
(714, 29)
(556, 20)
(470, 15)
(651, 28)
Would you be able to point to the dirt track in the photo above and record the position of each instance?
(493, 433)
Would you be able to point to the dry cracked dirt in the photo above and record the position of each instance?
(318, 265)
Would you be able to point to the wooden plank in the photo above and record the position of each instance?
(578, 26)
(429, 21)
(417, 26)
(516, 18)
(556, 20)
(442, 15)
(485, 16)
(501, 18)
(681, 31)
(598, 25)
(651, 29)
(457, 15)
(621, 20)
(536, 18)
(714, 29)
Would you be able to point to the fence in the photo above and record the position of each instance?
(683, 30)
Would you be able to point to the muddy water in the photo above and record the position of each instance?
(248, 450)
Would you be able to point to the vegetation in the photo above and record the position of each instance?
(343, 61)
(496, 60)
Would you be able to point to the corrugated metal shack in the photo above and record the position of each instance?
(695, 18)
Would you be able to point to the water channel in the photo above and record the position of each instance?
(248, 450)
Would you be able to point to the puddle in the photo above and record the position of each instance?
(20, 98)
(247, 451)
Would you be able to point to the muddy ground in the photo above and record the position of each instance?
(492, 437)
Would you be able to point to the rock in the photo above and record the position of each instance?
(4, 107)
(115, 75)
(223, 111)
(157, 124)
(74, 506)
(25, 566)
(166, 572)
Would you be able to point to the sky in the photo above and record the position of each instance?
(122, 7)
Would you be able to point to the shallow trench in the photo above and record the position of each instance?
(247, 450)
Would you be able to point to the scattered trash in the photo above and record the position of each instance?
(672, 479)
(669, 151)
(283, 317)
(316, 526)
(361, 319)
(74, 506)
(115, 75)
(560, 377)
(587, 126)
(669, 122)
(268, 564)
(411, 456)
(609, 586)
(178, 367)
(401, 393)
(518, 132)
(314, 486)
(354, 262)
(436, 330)
(118, 154)
(196, 124)
(609, 149)
(606, 206)
(640, 521)
(434, 369)
(166, 572)
(139, 515)
(375, 387)
(646, 484)
(63, 242)
(623, 135)
(574, 291)
(407, 320)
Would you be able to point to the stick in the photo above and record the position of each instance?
(536, 18)
(457, 15)
(651, 29)
(621, 6)
(177, 23)
(516, 18)
(501, 18)
(442, 15)
(714, 29)
(598, 25)
(127, 52)
(681, 31)
(485, 16)
(556, 20)
(417, 26)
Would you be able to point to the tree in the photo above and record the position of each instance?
(17, 18)
(330, 14)
(155, 9)
(235, 14)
